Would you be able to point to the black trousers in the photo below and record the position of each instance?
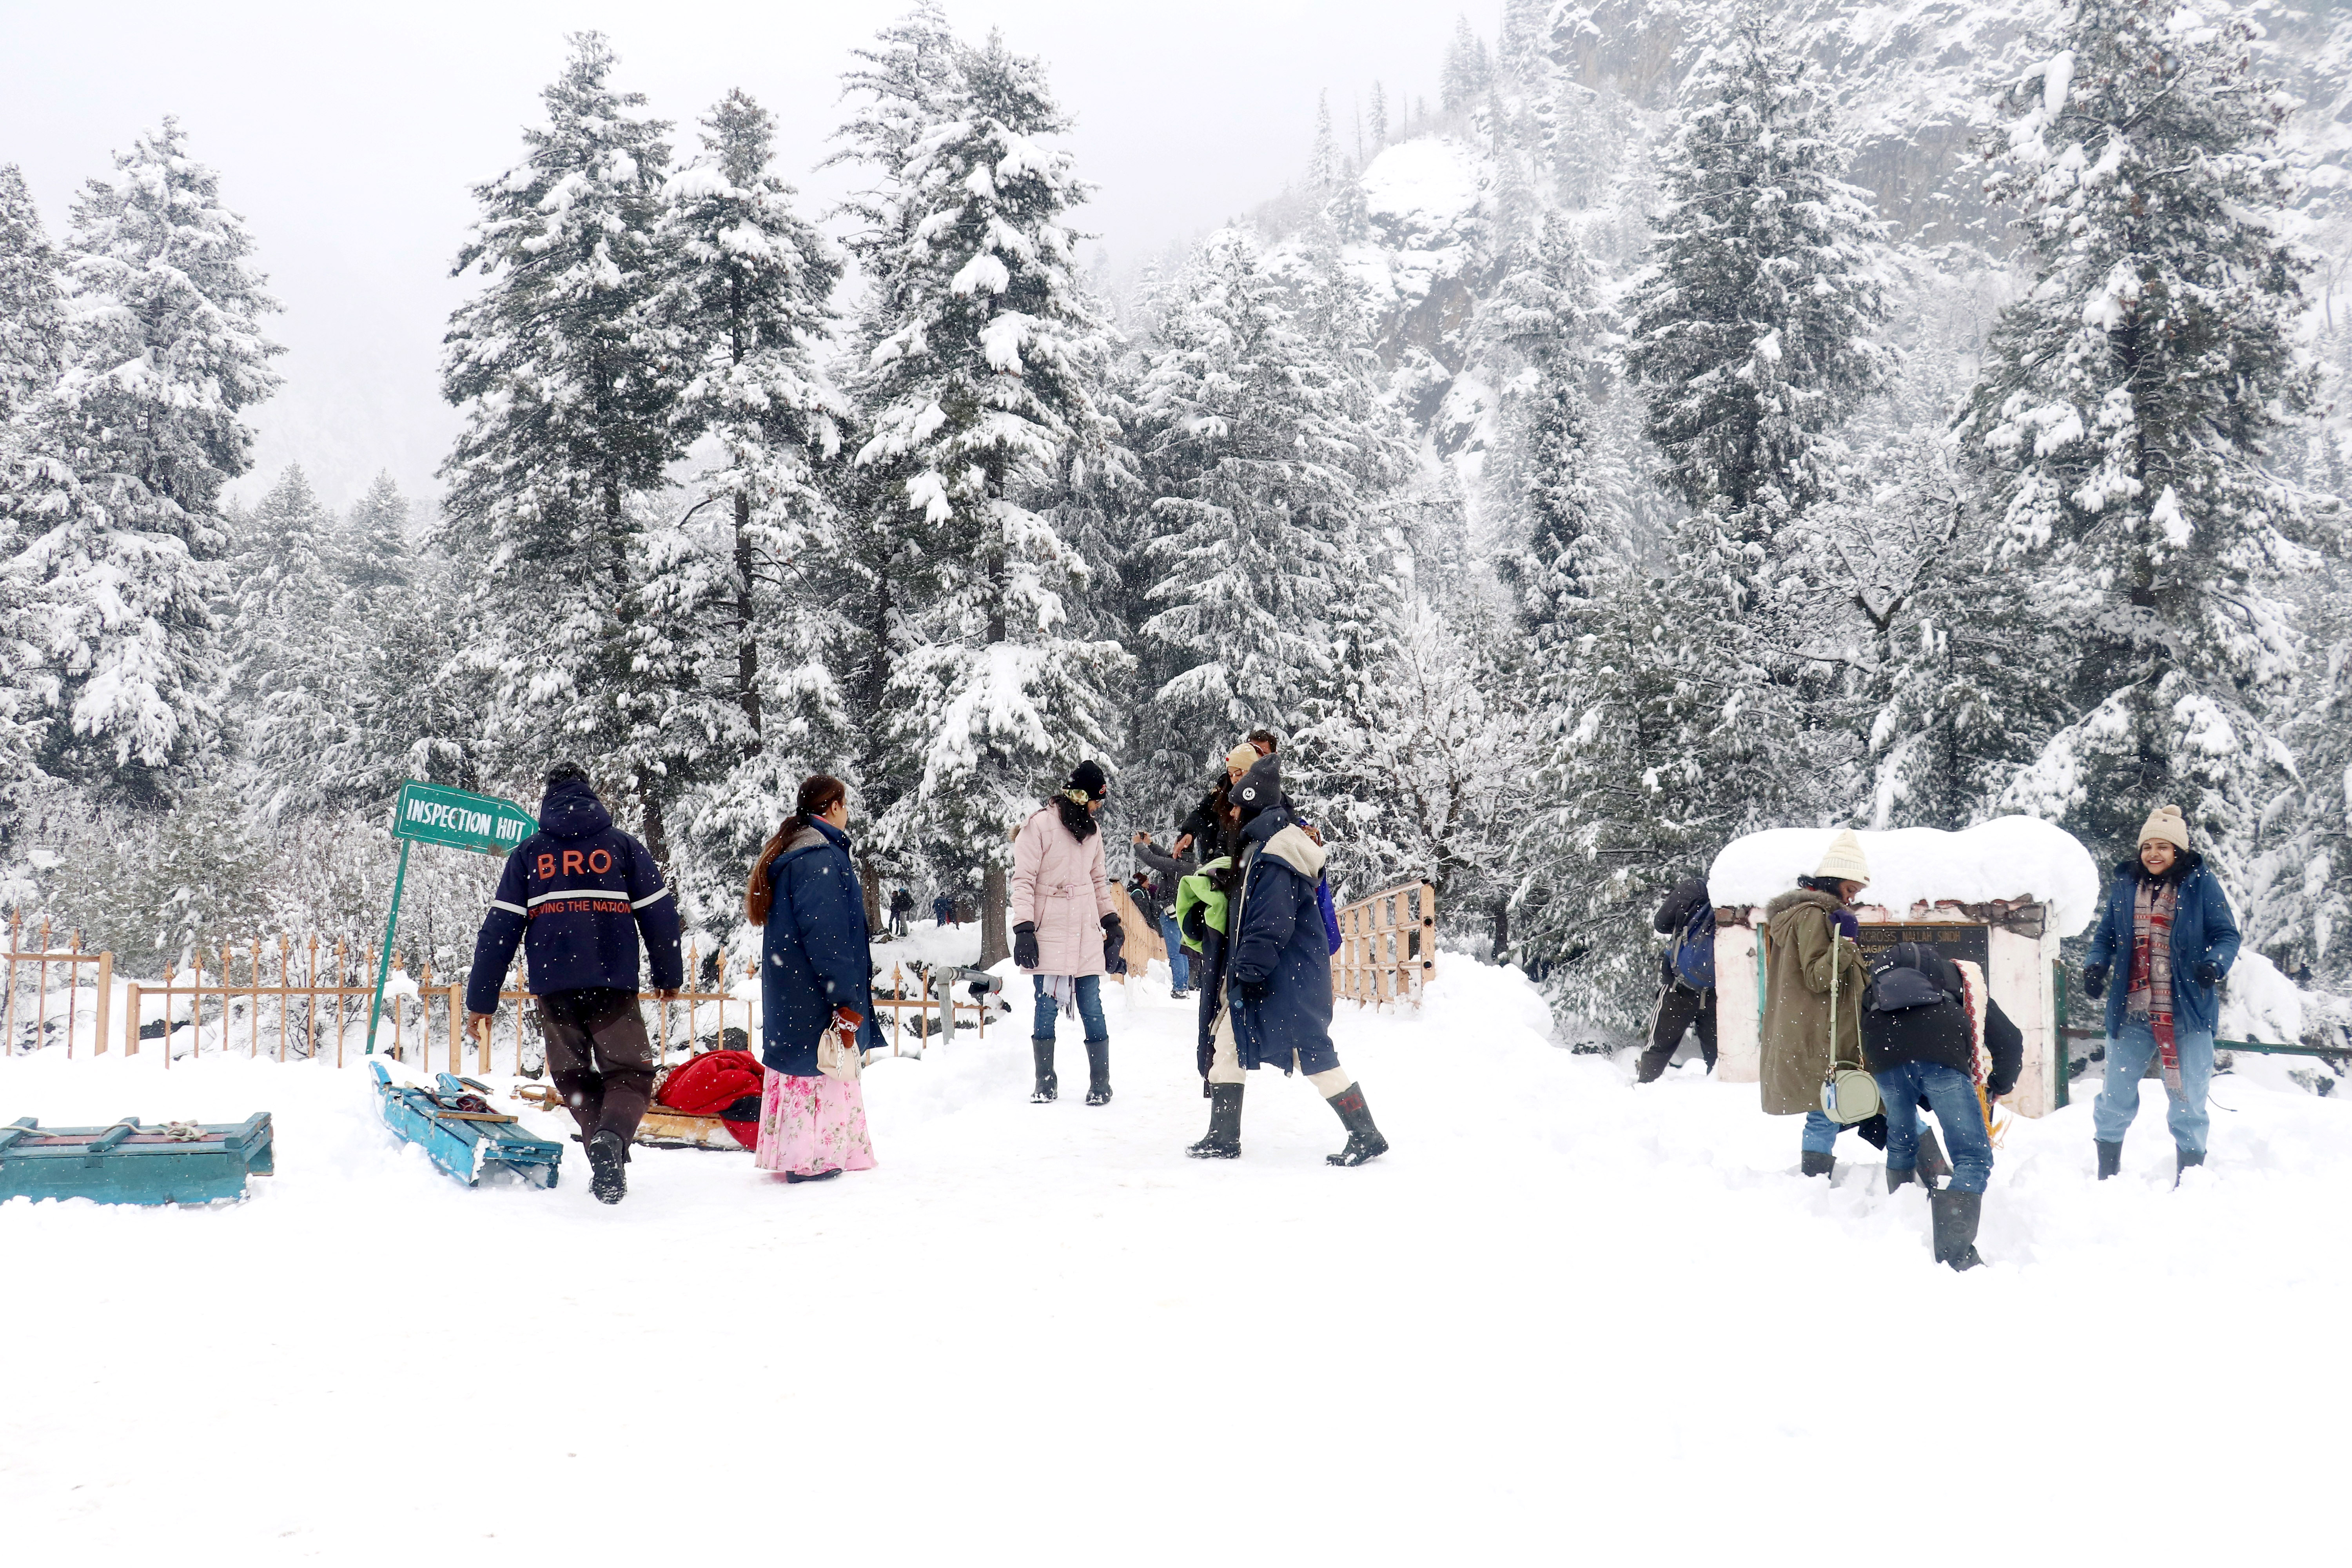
(600, 1058)
(1678, 1010)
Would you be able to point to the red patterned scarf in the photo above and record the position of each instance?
(2150, 996)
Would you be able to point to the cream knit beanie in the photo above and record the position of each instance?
(1244, 756)
(2167, 823)
(1843, 863)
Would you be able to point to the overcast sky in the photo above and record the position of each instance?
(349, 136)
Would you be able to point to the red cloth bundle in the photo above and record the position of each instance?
(712, 1084)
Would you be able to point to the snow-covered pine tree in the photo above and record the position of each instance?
(296, 642)
(740, 603)
(566, 381)
(1463, 78)
(1323, 170)
(2123, 411)
(117, 509)
(1253, 447)
(2299, 908)
(1754, 331)
(32, 311)
(977, 385)
(1377, 114)
(373, 548)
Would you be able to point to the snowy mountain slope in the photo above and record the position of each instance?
(1564, 1319)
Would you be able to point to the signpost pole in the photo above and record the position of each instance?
(384, 964)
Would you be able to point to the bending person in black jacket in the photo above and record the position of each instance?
(583, 889)
(1917, 1042)
(1680, 1004)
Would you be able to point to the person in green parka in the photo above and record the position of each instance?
(1802, 928)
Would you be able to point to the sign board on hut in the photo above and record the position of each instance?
(2001, 895)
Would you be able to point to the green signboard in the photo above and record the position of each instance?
(455, 819)
(436, 814)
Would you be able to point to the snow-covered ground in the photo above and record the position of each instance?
(1565, 1320)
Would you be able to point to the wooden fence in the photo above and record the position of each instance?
(1388, 945)
(317, 999)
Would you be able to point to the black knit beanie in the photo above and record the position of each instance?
(1088, 776)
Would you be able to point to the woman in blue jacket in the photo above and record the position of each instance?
(816, 976)
(1277, 977)
(2168, 926)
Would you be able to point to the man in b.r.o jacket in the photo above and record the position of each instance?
(576, 894)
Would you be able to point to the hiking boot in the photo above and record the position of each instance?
(1810, 1164)
(1225, 1139)
(2184, 1158)
(1933, 1166)
(607, 1183)
(2111, 1157)
(1895, 1178)
(1098, 1072)
(1044, 1051)
(1364, 1139)
(1956, 1213)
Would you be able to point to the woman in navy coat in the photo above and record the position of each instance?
(2170, 938)
(815, 980)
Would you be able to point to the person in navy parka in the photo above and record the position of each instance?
(2168, 935)
(576, 894)
(1278, 976)
(815, 977)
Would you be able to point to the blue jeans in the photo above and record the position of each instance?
(1820, 1132)
(2128, 1054)
(1179, 965)
(1954, 1100)
(1090, 1012)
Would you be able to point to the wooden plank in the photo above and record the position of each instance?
(105, 1000)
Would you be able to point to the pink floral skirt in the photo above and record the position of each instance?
(812, 1125)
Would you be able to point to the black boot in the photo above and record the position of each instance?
(1933, 1166)
(1956, 1213)
(607, 1183)
(2184, 1158)
(1098, 1072)
(1816, 1164)
(2111, 1157)
(1652, 1067)
(1364, 1139)
(1225, 1139)
(1895, 1178)
(1044, 1051)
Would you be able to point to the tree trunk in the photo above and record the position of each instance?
(656, 838)
(746, 646)
(1502, 928)
(870, 883)
(994, 946)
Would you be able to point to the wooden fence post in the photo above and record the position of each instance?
(105, 998)
(131, 1021)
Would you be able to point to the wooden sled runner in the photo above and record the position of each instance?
(664, 1126)
(468, 1142)
(174, 1163)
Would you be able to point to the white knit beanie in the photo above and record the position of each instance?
(1843, 863)
(2167, 823)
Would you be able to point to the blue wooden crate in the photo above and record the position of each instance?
(177, 1163)
(468, 1145)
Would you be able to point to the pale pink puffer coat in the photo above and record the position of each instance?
(1063, 887)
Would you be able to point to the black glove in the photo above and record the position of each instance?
(1111, 923)
(1196, 923)
(2208, 974)
(1255, 991)
(1025, 945)
(2095, 980)
(1112, 963)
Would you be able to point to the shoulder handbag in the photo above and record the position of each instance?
(1848, 1094)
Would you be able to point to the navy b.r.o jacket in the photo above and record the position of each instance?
(581, 888)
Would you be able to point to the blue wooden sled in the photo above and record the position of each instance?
(177, 1163)
(467, 1144)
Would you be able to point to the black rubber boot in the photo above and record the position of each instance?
(1956, 1213)
(1098, 1072)
(1933, 1166)
(2111, 1157)
(1044, 1051)
(2184, 1158)
(607, 1183)
(1895, 1178)
(1225, 1139)
(1814, 1164)
(1364, 1139)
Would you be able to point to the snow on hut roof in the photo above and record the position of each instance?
(2011, 858)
